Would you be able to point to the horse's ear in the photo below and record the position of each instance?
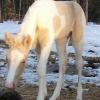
(27, 41)
(8, 39)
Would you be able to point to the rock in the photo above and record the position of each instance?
(7, 94)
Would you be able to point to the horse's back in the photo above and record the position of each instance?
(47, 11)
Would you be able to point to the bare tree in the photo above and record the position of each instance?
(86, 10)
(75, 0)
(0, 12)
(84, 4)
(20, 5)
(9, 9)
(14, 10)
(78, 1)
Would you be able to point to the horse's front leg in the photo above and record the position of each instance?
(45, 51)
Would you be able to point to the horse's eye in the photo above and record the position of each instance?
(23, 61)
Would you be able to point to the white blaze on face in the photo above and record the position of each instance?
(15, 60)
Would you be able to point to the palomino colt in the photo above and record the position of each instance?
(47, 21)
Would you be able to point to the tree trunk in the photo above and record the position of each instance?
(1, 7)
(84, 4)
(78, 1)
(14, 11)
(9, 8)
(0, 12)
(75, 0)
(86, 10)
(20, 5)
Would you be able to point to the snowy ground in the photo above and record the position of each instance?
(92, 43)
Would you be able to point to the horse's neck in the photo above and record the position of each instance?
(29, 23)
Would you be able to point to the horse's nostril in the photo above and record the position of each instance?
(13, 86)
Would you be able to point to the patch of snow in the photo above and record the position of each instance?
(32, 78)
(8, 26)
(3, 72)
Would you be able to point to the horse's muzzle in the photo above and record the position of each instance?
(10, 85)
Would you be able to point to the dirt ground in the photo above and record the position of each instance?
(29, 92)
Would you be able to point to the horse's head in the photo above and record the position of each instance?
(16, 57)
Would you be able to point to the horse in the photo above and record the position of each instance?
(47, 22)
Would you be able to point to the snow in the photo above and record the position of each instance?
(91, 42)
(8, 26)
(32, 78)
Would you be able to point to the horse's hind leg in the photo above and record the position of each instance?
(61, 49)
(79, 64)
(77, 41)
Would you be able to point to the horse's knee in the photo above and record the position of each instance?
(79, 59)
(41, 74)
(62, 67)
(41, 71)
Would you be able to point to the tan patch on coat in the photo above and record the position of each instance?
(35, 42)
(61, 8)
(56, 23)
(65, 9)
(41, 37)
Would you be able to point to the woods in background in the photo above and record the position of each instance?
(16, 9)
(13, 9)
